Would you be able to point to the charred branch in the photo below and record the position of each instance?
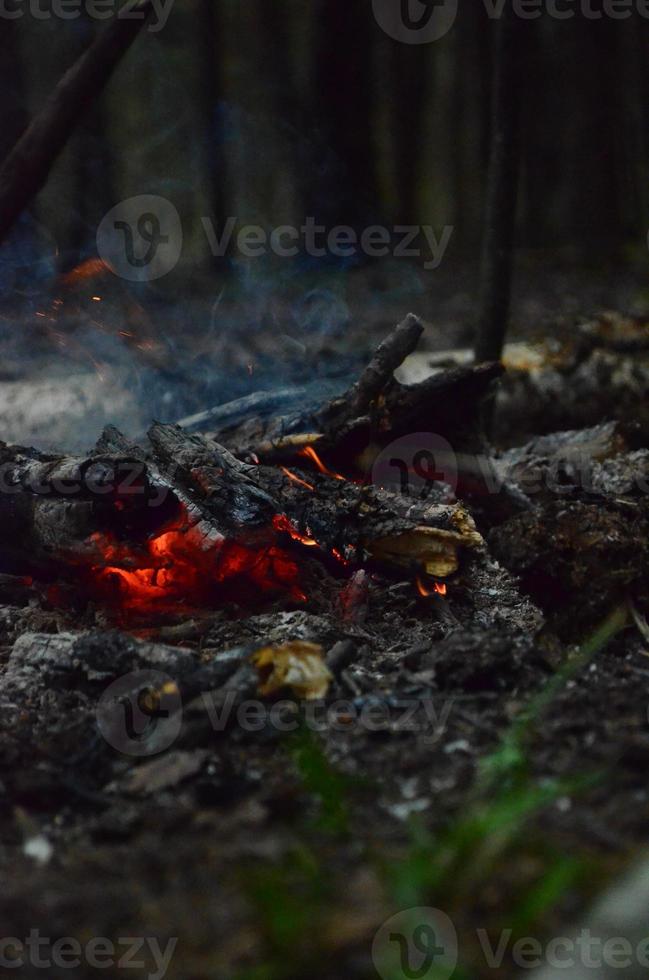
(352, 429)
(354, 521)
(376, 377)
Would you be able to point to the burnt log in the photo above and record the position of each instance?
(600, 370)
(565, 463)
(583, 546)
(576, 558)
(195, 521)
(366, 523)
(356, 522)
(351, 430)
(51, 507)
(224, 486)
(261, 404)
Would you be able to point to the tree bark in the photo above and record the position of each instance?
(502, 194)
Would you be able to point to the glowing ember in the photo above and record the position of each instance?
(310, 453)
(182, 567)
(339, 557)
(439, 588)
(282, 523)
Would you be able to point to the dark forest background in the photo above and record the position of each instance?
(271, 111)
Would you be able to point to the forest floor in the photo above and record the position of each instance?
(472, 755)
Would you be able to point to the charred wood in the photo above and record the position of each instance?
(338, 515)
(51, 507)
(576, 559)
(352, 429)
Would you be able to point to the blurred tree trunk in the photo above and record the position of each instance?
(597, 179)
(92, 180)
(410, 81)
(502, 193)
(14, 110)
(633, 59)
(471, 110)
(345, 192)
(211, 56)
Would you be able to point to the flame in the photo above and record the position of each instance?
(310, 453)
(180, 566)
(439, 588)
(296, 479)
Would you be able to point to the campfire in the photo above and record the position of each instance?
(184, 524)
(275, 512)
